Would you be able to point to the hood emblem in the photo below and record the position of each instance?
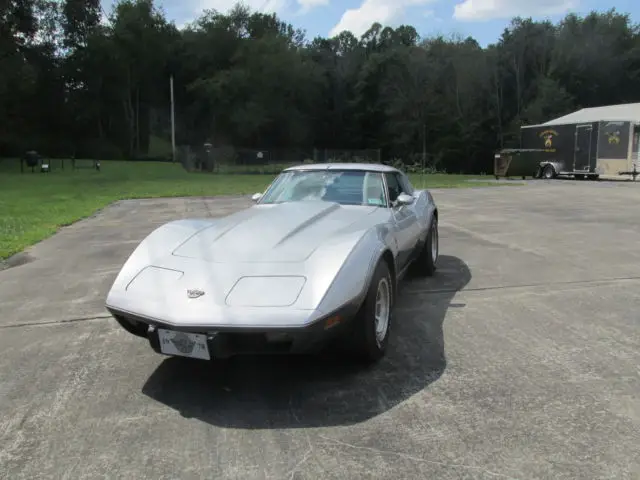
(195, 293)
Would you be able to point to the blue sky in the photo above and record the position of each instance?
(482, 19)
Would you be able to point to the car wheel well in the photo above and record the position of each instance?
(387, 256)
(435, 214)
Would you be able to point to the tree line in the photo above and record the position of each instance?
(79, 81)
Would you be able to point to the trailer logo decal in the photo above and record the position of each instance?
(614, 137)
(547, 136)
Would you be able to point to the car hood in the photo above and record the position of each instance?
(285, 232)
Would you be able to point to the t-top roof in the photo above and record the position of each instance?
(625, 112)
(365, 167)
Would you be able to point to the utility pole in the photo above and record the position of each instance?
(424, 145)
(424, 152)
(173, 122)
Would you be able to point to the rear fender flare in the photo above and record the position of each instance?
(431, 211)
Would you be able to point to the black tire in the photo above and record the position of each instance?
(369, 347)
(548, 172)
(427, 262)
(578, 176)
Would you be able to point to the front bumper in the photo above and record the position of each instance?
(250, 340)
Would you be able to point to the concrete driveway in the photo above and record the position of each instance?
(519, 359)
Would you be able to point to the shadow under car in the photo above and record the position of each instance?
(299, 391)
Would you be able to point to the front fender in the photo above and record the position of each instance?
(159, 243)
(351, 279)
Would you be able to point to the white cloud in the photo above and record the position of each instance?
(431, 15)
(223, 6)
(387, 12)
(479, 10)
(306, 5)
(183, 12)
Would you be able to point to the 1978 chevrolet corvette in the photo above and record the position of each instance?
(319, 255)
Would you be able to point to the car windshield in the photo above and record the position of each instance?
(346, 187)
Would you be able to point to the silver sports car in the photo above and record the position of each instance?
(318, 257)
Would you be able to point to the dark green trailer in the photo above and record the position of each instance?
(582, 150)
(570, 149)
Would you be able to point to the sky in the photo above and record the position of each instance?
(484, 20)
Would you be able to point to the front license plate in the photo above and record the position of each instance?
(183, 344)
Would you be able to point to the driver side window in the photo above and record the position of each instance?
(393, 186)
(405, 185)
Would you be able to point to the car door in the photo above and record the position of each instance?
(404, 220)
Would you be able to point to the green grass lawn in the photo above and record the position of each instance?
(33, 206)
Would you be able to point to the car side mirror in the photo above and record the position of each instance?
(404, 199)
(256, 196)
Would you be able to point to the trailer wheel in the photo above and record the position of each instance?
(578, 177)
(548, 172)
(594, 177)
